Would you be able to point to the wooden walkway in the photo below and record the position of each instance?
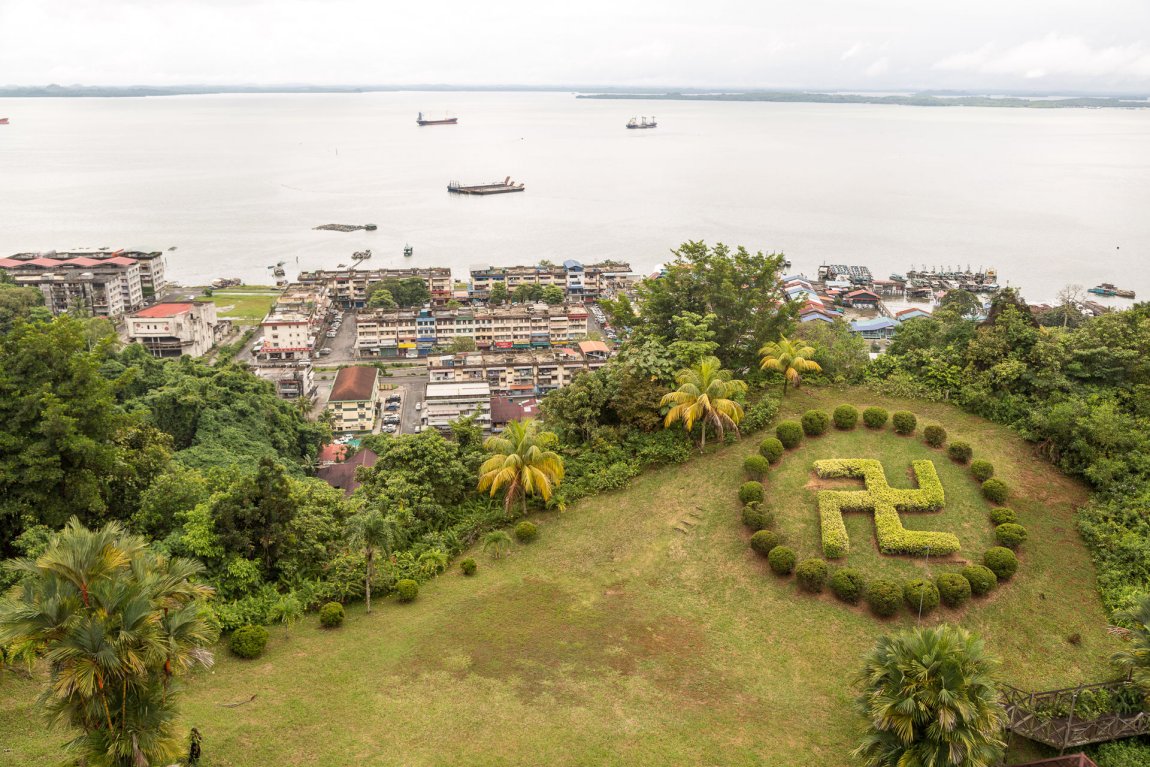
(1038, 716)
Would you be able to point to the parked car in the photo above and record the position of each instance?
(418, 406)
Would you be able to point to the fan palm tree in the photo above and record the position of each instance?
(705, 396)
(521, 464)
(373, 531)
(791, 358)
(929, 701)
(497, 543)
(1136, 660)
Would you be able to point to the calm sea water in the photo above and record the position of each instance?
(236, 183)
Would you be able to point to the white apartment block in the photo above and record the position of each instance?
(176, 329)
(287, 336)
(519, 373)
(446, 402)
(348, 287)
(105, 287)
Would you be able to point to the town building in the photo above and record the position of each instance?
(176, 329)
(153, 279)
(447, 402)
(340, 473)
(110, 286)
(504, 410)
(525, 373)
(874, 330)
(293, 379)
(909, 314)
(577, 280)
(861, 299)
(354, 399)
(313, 301)
(349, 287)
(285, 336)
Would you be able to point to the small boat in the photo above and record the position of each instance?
(370, 227)
(361, 255)
(897, 278)
(445, 121)
(408, 251)
(640, 123)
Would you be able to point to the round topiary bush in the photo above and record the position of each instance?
(468, 566)
(875, 417)
(848, 585)
(995, 490)
(764, 541)
(904, 422)
(815, 423)
(921, 595)
(248, 641)
(1010, 535)
(782, 560)
(953, 589)
(756, 517)
(846, 417)
(812, 575)
(1001, 562)
(1002, 516)
(756, 466)
(982, 470)
(960, 452)
(981, 579)
(790, 433)
(883, 596)
(751, 492)
(331, 615)
(406, 590)
(934, 435)
(526, 532)
(771, 449)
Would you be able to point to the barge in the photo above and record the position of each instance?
(1107, 289)
(445, 121)
(496, 187)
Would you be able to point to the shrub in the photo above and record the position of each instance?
(982, 470)
(790, 433)
(525, 532)
(981, 579)
(1010, 535)
(846, 417)
(883, 596)
(904, 422)
(771, 449)
(407, 590)
(815, 423)
(751, 492)
(468, 566)
(953, 589)
(848, 585)
(1002, 516)
(782, 560)
(248, 641)
(812, 575)
(995, 490)
(1001, 562)
(875, 417)
(756, 466)
(960, 452)
(756, 517)
(921, 595)
(331, 615)
(763, 541)
(934, 435)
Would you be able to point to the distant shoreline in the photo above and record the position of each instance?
(916, 100)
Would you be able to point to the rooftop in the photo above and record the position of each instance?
(354, 384)
(588, 347)
(441, 390)
(341, 476)
(173, 309)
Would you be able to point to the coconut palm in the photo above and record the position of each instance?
(118, 624)
(705, 396)
(521, 464)
(791, 358)
(1136, 660)
(929, 701)
(497, 543)
(373, 531)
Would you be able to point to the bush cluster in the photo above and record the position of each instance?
(921, 595)
(953, 589)
(812, 575)
(756, 466)
(764, 541)
(758, 415)
(782, 560)
(875, 417)
(526, 532)
(1010, 535)
(981, 579)
(248, 641)
(751, 492)
(468, 566)
(982, 470)
(1001, 561)
(847, 584)
(904, 422)
(815, 423)
(934, 435)
(995, 490)
(883, 596)
(790, 433)
(960, 452)
(331, 615)
(771, 449)
(846, 417)
(406, 590)
(756, 517)
(1002, 516)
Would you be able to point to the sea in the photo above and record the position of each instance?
(232, 185)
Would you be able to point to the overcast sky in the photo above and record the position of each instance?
(1095, 45)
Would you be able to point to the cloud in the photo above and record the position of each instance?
(1055, 56)
(853, 51)
(879, 67)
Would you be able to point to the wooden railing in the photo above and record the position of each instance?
(1070, 760)
(1053, 717)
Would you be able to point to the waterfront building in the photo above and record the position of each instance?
(176, 329)
(153, 279)
(874, 330)
(107, 287)
(354, 400)
(349, 287)
(577, 280)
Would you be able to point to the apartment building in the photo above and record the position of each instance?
(312, 300)
(106, 287)
(176, 329)
(153, 267)
(519, 373)
(576, 279)
(286, 336)
(348, 287)
(354, 400)
(293, 379)
(446, 402)
(415, 332)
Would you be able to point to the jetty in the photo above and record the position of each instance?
(496, 187)
(345, 227)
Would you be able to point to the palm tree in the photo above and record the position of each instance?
(372, 530)
(929, 701)
(1136, 660)
(521, 463)
(791, 358)
(497, 543)
(704, 396)
(119, 624)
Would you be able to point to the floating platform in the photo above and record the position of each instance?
(346, 227)
(497, 187)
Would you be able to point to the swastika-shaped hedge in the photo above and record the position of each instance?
(886, 502)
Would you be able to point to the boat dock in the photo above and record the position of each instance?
(496, 187)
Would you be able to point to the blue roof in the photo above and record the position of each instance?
(572, 264)
(813, 316)
(881, 323)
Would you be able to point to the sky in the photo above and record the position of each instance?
(874, 45)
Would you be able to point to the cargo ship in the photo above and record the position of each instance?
(445, 121)
(496, 187)
(641, 123)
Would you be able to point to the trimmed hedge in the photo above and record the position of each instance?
(756, 517)
(790, 433)
(751, 492)
(875, 417)
(920, 595)
(883, 596)
(995, 490)
(468, 566)
(815, 423)
(812, 575)
(960, 452)
(981, 579)
(771, 449)
(331, 615)
(982, 470)
(1002, 516)
(756, 466)
(526, 532)
(764, 541)
(1001, 561)
(782, 560)
(248, 641)
(934, 435)
(846, 417)
(904, 422)
(953, 589)
(406, 590)
(848, 585)
(1010, 535)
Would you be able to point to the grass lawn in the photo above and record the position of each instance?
(614, 639)
(246, 304)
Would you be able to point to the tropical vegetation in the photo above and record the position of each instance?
(706, 396)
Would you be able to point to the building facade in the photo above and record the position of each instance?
(578, 281)
(292, 379)
(354, 400)
(348, 287)
(176, 329)
(518, 373)
(108, 287)
(446, 402)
